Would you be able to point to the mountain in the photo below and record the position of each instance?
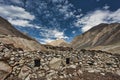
(104, 37)
(10, 35)
(58, 42)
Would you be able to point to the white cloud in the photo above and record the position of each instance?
(45, 40)
(15, 12)
(48, 40)
(97, 0)
(57, 1)
(51, 34)
(59, 34)
(73, 32)
(19, 22)
(106, 7)
(23, 23)
(16, 1)
(96, 17)
(1, 1)
(16, 15)
(65, 9)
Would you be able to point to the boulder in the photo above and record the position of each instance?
(25, 70)
(118, 72)
(5, 70)
(55, 63)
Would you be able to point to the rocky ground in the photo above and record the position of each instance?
(16, 64)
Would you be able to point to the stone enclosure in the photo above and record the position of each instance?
(16, 64)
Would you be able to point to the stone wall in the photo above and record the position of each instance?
(20, 65)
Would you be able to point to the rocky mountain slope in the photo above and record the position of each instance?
(104, 37)
(58, 42)
(10, 35)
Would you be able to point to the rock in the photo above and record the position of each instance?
(46, 67)
(11, 62)
(118, 72)
(65, 75)
(102, 74)
(61, 76)
(6, 50)
(70, 75)
(55, 63)
(7, 54)
(90, 70)
(34, 75)
(22, 61)
(79, 72)
(12, 58)
(72, 66)
(5, 70)
(25, 70)
(41, 74)
(28, 77)
(50, 74)
(49, 58)
(20, 52)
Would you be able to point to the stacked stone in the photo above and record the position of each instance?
(51, 65)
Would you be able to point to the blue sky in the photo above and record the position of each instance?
(48, 20)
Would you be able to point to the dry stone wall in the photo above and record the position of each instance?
(16, 64)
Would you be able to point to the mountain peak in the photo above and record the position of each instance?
(58, 42)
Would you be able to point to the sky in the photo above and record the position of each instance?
(48, 20)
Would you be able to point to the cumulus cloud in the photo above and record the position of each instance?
(16, 15)
(73, 32)
(51, 34)
(97, 0)
(57, 1)
(66, 10)
(45, 40)
(106, 6)
(96, 17)
(15, 12)
(16, 1)
(19, 22)
(1, 1)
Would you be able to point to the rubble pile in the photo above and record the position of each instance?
(16, 64)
